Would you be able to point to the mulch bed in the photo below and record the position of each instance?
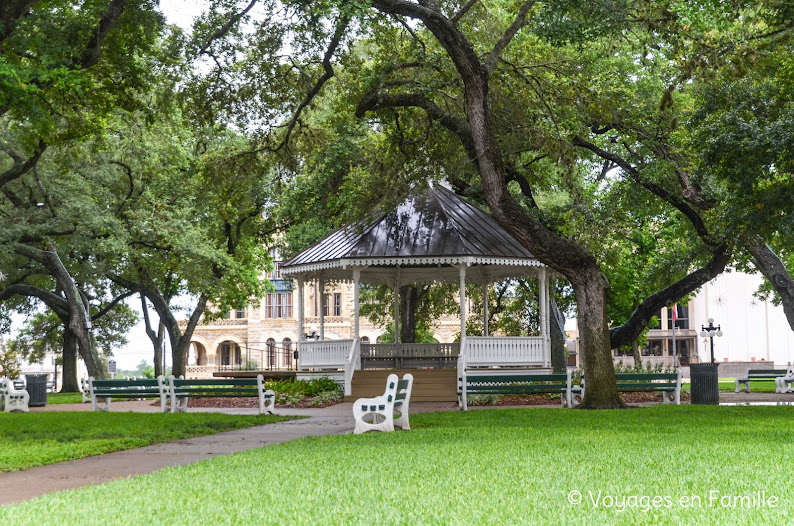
(250, 403)
(539, 399)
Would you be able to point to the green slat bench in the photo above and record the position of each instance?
(759, 375)
(669, 384)
(377, 414)
(513, 382)
(181, 391)
(102, 391)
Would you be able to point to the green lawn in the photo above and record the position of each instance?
(728, 385)
(35, 439)
(518, 466)
(64, 398)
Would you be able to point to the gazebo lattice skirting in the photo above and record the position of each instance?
(432, 237)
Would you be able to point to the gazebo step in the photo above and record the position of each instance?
(430, 385)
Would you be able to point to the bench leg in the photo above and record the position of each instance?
(16, 402)
(100, 403)
(180, 404)
(267, 402)
(739, 382)
(363, 407)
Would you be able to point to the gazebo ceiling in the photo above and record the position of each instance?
(427, 236)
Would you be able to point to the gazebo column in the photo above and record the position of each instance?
(485, 305)
(543, 300)
(397, 306)
(322, 307)
(301, 330)
(356, 287)
(356, 313)
(462, 306)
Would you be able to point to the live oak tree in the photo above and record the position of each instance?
(63, 70)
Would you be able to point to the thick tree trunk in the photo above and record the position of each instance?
(159, 366)
(559, 360)
(69, 384)
(599, 369)
(775, 271)
(409, 301)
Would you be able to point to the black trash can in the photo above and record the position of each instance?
(37, 389)
(705, 383)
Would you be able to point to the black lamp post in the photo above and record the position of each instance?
(311, 335)
(711, 331)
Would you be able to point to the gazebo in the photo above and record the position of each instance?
(433, 236)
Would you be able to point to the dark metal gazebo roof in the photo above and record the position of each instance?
(433, 228)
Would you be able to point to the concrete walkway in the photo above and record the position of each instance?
(22, 485)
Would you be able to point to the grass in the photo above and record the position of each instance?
(516, 466)
(727, 385)
(36, 439)
(64, 398)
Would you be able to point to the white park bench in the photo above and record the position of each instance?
(11, 398)
(783, 383)
(759, 375)
(377, 414)
(180, 391)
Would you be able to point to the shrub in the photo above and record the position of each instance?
(300, 389)
(488, 399)
(327, 396)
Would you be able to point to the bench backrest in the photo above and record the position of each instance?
(476, 378)
(767, 372)
(644, 377)
(404, 387)
(214, 382)
(122, 384)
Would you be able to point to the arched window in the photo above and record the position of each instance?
(287, 355)
(230, 353)
(271, 352)
(365, 339)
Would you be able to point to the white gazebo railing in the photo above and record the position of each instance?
(330, 354)
(323, 354)
(504, 351)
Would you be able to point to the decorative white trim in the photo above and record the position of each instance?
(412, 261)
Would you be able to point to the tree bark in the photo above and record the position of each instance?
(410, 296)
(155, 337)
(635, 350)
(69, 383)
(775, 271)
(559, 360)
(599, 368)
